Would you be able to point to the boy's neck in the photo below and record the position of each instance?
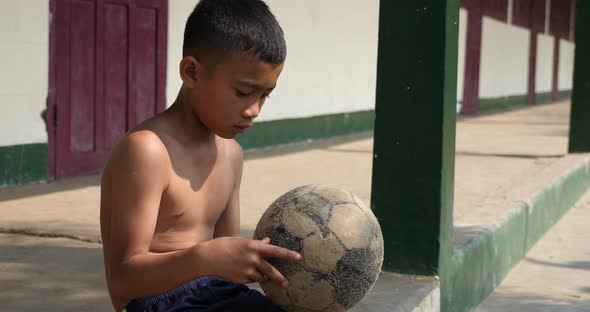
(190, 124)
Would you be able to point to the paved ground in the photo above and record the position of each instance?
(501, 159)
(555, 274)
(506, 158)
(51, 274)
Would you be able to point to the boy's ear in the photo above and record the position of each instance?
(189, 69)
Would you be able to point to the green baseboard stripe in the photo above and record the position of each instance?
(490, 105)
(26, 163)
(549, 205)
(563, 95)
(543, 98)
(23, 163)
(285, 131)
(482, 263)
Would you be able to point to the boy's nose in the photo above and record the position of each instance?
(252, 111)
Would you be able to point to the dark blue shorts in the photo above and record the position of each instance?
(205, 294)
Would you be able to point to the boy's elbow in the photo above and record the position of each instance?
(119, 284)
(116, 286)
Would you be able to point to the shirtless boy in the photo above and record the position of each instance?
(169, 209)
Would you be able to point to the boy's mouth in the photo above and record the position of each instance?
(242, 128)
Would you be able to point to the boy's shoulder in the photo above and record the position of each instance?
(146, 141)
(140, 149)
(148, 147)
(234, 149)
(152, 142)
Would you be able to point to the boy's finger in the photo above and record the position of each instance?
(273, 274)
(265, 240)
(268, 250)
(256, 277)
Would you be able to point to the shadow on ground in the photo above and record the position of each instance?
(35, 189)
(576, 265)
(513, 300)
(508, 155)
(40, 274)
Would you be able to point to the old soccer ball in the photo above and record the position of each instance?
(339, 239)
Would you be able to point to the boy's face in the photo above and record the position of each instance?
(230, 96)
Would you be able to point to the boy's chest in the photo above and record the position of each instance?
(197, 195)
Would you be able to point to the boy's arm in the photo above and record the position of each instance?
(139, 175)
(229, 222)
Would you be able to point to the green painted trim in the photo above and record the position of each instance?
(579, 137)
(564, 95)
(561, 95)
(413, 166)
(483, 262)
(549, 205)
(492, 105)
(23, 163)
(488, 105)
(445, 263)
(28, 163)
(284, 131)
(543, 98)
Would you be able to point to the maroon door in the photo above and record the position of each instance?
(107, 74)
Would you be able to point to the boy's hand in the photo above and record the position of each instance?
(241, 260)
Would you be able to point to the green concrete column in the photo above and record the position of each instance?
(580, 114)
(414, 151)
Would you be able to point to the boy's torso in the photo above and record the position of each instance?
(200, 185)
(201, 180)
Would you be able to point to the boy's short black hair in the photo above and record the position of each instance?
(218, 28)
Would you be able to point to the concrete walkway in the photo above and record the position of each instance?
(555, 274)
(501, 159)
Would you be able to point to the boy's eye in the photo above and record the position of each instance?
(241, 94)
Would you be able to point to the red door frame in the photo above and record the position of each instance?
(51, 102)
(56, 53)
(472, 57)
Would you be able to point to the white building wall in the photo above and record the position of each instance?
(178, 12)
(566, 65)
(331, 65)
(504, 59)
(24, 66)
(463, 14)
(332, 56)
(544, 71)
